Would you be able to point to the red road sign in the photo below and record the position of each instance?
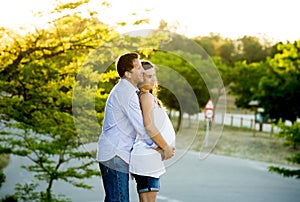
(209, 110)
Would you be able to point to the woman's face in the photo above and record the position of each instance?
(149, 79)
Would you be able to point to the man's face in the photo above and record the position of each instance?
(136, 74)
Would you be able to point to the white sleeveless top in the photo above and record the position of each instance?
(147, 161)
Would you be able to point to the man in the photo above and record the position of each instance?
(122, 121)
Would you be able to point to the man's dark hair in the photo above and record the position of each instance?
(125, 63)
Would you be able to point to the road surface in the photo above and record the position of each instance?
(189, 179)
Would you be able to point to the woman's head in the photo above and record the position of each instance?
(149, 76)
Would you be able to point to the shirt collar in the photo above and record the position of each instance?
(129, 85)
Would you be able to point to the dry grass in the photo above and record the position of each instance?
(236, 142)
(4, 160)
(262, 147)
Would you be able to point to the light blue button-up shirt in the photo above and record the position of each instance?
(123, 121)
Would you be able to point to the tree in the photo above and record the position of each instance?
(225, 70)
(247, 48)
(274, 83)
(208, 43)
(279, 88)
(292, 136)
(50, 92)
(250, 49)
(37, 78)
(244, 82)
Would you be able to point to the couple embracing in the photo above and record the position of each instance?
(137, 135)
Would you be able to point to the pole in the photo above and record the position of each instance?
(207, 133)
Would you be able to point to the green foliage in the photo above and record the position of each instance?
(244, 80)
(37, 79)
(251, 50)
(208, 43)
(2, 178)
(225, 70)
(290, 133)
(279, 88)
(274, 83)
(285, 172)
(70, 5)
(26, 192)
(259, 71)
(246, 48)
(292, 138)
(51, 100)
(172, 67)
(9, 198)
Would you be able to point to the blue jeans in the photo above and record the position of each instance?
(115, 178)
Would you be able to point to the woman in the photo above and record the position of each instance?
(146, 163)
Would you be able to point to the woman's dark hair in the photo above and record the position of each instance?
(125, 63)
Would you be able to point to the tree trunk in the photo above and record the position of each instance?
(179, 121)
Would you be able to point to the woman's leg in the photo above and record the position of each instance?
(148, 196)
(147, 187)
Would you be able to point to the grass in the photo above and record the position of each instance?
(4, 160)
(262, 147)
(236, 142)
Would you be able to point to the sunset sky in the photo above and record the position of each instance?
(277, 19)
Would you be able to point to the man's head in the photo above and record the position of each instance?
(125, 63)
(129, 67)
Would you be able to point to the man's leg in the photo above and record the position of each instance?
(115, 180)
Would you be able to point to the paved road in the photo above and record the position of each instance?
(216, 178)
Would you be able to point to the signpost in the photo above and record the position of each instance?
(209, 115)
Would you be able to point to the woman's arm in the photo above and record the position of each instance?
(147, 105)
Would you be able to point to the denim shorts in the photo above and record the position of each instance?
(146, 183)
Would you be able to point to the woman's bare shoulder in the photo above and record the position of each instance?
(145, 97)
